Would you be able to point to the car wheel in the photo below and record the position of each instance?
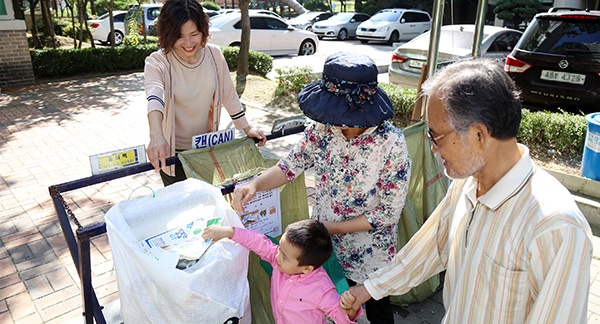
(309, 28)
(343, 34)
(394, 37)
(363, 41)
(118, 38)
(307, 47)
(234, 44)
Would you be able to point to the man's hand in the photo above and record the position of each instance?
(217, 232)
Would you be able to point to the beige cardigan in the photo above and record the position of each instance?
(158, 86)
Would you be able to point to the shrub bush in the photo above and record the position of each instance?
(52, 63)
(403, 100)
(134, 40)
(258, 62)
(291, 80)
(562, 132)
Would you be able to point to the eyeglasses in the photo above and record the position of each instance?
(434, 139)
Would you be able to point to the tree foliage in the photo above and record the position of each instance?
(316, 5)
(210, 5)
(515, 12)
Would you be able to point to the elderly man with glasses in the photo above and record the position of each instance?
(514, 245)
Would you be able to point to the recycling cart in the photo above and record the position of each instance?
(224, 166)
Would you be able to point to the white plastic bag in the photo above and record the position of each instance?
(213, 290)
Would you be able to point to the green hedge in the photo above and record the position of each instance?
(53, 63)
(258, 62)
(562, 132)
(56, 63)
(403, 100)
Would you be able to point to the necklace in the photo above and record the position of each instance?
(189, 66)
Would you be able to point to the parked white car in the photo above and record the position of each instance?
(250, 12)
(341, 25)
(456, 42)
(100, 28)
(393, 25)
(268, 34)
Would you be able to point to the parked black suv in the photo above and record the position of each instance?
(556, 63)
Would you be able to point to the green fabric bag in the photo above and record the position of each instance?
(426, 189)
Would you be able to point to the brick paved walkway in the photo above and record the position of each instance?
(47, 133)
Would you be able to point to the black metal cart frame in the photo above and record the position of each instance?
(79, 242)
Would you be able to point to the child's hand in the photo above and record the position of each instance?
(347, 300)
(349, 305)
(217, 232)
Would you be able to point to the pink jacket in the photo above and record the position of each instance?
(301, 298)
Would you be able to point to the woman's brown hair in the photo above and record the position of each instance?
(173, 15)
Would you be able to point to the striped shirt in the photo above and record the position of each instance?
(521, 253)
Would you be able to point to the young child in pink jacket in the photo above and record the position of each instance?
(301, 290)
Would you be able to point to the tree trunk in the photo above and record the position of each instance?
(83, 18)
(18, 9)
(34, 32)
(82, 21)
(110, 6)
(243, 66)
(71, 11)
(48, 25)
(54, 6)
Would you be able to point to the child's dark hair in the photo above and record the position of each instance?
(312, 237)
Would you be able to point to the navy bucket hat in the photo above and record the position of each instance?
(347, 95)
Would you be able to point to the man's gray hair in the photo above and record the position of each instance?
(478, 91)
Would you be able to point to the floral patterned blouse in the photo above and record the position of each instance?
(366, 175)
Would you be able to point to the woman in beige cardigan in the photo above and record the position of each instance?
(187, 82)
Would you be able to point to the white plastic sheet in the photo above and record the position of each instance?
(213, 290)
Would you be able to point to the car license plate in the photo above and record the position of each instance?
(416, 64)
(573, 78)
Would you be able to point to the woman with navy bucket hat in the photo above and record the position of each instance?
(361, 164)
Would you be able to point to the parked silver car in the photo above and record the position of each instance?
(341, 25)
(307, 19)
(456, 43)
(393, 25)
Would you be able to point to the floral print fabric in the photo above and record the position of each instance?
(366, 175)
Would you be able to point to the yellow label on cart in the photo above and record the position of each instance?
(109, 162)
(117, 159)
